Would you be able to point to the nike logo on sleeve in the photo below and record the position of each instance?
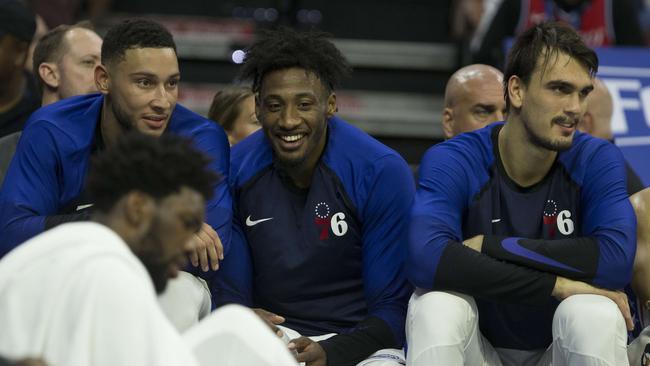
(513, 246)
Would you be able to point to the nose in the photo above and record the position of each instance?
(289, 118)
(575, 105)
(162, 99)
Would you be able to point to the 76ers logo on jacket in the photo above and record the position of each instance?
(553, 220)
(325, 222)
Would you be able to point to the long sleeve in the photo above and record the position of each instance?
(385, 229)
(604, 251)
(233, 283)
(30, 191)
(437, 259)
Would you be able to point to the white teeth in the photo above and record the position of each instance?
(291, 138)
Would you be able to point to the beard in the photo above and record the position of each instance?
(121, 116)
(545, 142)
(296, 163)
(156, 268)
(151, 256)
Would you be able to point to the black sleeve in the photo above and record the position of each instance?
(574, 258)
(55, 220)
(627, 31)
(369, 336)
(634, 183)
(465, 270)
(503, 25)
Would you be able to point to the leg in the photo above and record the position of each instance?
(385, 357)
(638, 352)
(589, 330)
(442, 329)
(235, 336)
(186, 300)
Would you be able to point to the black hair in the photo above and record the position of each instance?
(549, 39)
(285, 48)
(134, 33)
(154, 166)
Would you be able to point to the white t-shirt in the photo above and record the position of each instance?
(77, 296)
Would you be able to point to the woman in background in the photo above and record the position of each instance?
(234, 109)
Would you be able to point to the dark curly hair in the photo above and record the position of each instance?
(285, 48)
(155, 166)
(548, 39)
(134, 33)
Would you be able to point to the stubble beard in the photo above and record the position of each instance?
(123, 120)
(547, 143)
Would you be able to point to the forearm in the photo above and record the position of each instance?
(56, 220)
(587, 259)
(369, 336)
(575, 258)
(17, 230)
(641, 271)
(464, 270)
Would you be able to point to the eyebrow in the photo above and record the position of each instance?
(152, 75)
(489, 107)
(566, 84)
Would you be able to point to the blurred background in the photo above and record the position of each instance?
(402, 52)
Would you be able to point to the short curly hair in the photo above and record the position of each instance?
(286, 48)
(134, 33)
(154, 166)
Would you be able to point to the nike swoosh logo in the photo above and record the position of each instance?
(494, 221)
(512, 245)
(250, 222)
(81, 207)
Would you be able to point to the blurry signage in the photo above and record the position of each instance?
(626, 72)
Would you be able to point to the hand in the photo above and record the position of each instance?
(565, 287)
(209, 249)
(308, 351)
(475, 243)
(271, 320)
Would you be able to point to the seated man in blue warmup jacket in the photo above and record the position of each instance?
(528, 223)
(138, 80)
(321, 211)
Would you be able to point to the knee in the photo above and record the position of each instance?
(581, 316)
(438, 313)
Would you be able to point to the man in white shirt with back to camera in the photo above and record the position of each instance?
(84, 293)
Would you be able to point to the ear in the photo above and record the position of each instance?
(516, 91)
(448, 122)
(258, 107)
(102, 80)
(331, 105)
(49, 73)
(139, 210)
(586, 125)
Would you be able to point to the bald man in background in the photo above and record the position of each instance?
(64, 61)
(597, 122)
(473, 99)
